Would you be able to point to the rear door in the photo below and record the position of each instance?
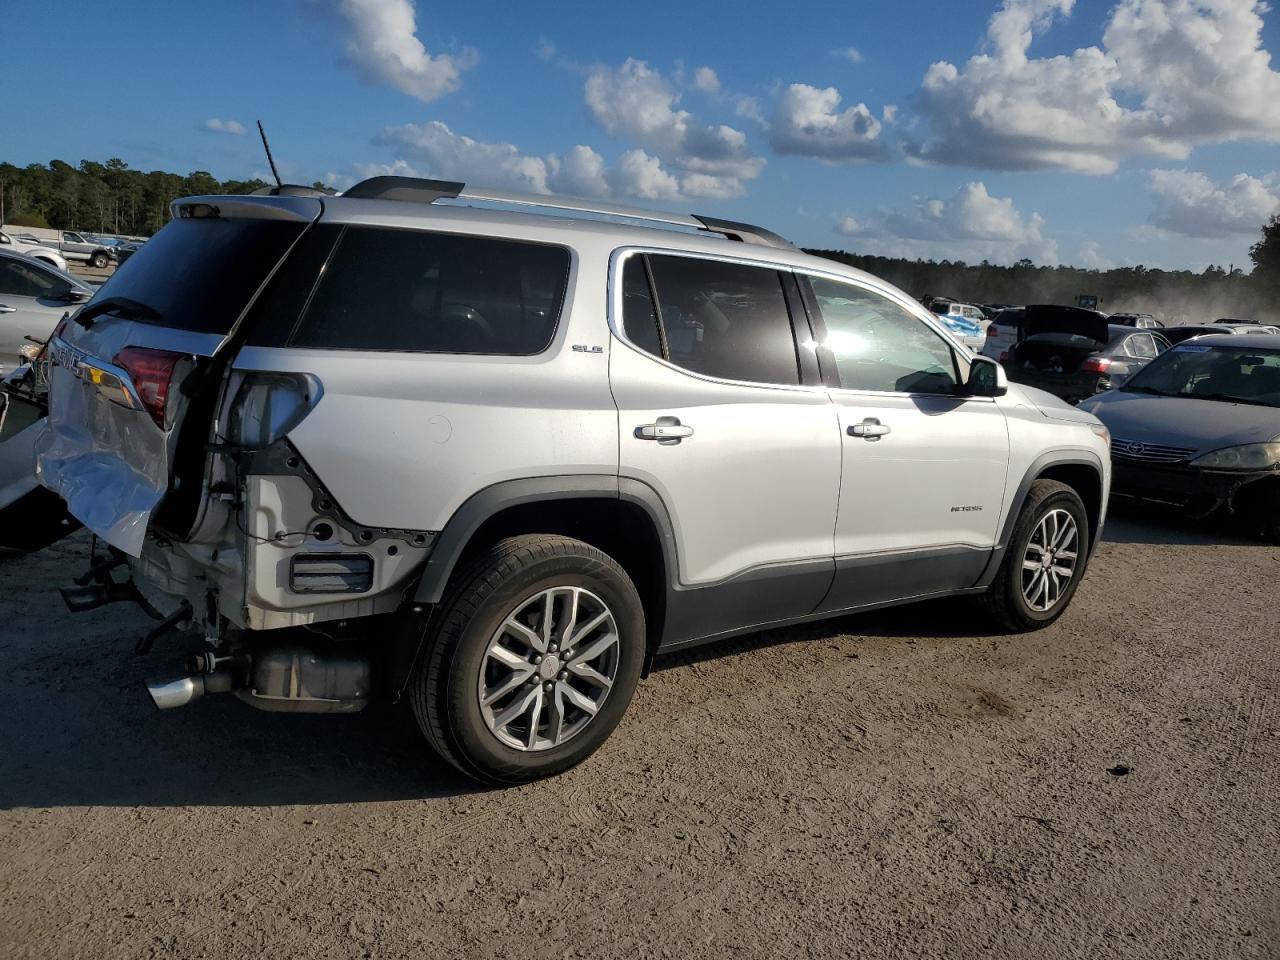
(923, 466)
(725, 419)
(117, 430)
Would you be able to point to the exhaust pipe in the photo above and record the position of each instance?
(168, 694)
(176, 693)
(281, 679)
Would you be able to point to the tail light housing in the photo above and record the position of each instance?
(1096, 365)
(152, 374)
(269, 405)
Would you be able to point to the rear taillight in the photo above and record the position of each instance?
(268, 405)
(1096, 365)
(151, 372)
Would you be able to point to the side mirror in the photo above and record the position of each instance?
(76, 296)
(986, 378)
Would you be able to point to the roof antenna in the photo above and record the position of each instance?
(267, 147)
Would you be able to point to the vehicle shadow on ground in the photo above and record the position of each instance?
(930, 619)
(71, 736)
(1129, 521)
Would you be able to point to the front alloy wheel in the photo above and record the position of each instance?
(1049, 561)
(1045, 559)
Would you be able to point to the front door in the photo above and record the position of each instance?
(923, 465)
(716, 417)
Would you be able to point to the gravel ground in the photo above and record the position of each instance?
(887, 785)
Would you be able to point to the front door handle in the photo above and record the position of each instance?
(5, 308)
(869, 429)
(667, 431)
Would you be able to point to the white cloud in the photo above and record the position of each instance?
(580, 172)
(636, 102)
(749, 108)
(808, 121)
(640, 175)
(1188, 203)
(214, 125)
(457, 157)
(1169, 75)
(852, 54)
(890, 112)
(384, 46)
(1091, 257)
(705, 79)
(971, 225)
(433, 150)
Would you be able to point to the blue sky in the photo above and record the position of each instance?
(1094, 132)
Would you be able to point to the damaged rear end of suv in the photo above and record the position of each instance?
(172, 450)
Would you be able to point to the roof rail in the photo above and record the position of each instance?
(413, 189)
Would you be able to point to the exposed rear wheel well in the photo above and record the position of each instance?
(1087, 483)
(622, 530)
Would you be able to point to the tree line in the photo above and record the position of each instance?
(1174, 296)
(111, 198)
(101, 197)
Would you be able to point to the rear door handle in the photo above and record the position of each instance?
(5, 308)
(869, 429)
(667, 431)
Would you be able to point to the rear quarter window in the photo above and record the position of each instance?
(198, 274)
(417, 291)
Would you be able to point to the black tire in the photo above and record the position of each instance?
(100, 260)
(1257, 509)
(35, 521)
(1004, 600)
(443, 690)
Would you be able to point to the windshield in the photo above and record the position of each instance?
(199, 274)
(1230, 374)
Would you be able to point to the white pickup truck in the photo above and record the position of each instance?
(83, 247)
(33, 248)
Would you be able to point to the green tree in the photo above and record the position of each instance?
(1265, 255)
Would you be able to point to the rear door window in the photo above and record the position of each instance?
(409, 290)
(1142, 346)
(720, 319)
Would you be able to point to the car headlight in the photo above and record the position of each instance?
(1249, 456)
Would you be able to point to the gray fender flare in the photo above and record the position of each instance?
(492, 500)
(1038, 466)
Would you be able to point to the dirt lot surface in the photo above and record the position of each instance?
(888, 785)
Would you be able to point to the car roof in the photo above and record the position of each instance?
(1258, 341)
(37, 262)
(551, 226)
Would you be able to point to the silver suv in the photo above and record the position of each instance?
(491, 453)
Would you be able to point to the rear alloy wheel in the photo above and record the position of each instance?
(1044, 561)
(549, 668)
(535, 655)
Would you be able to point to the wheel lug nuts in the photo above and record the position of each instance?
(554, 648)
(538, 659)
(564, 674)
(548, 686)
